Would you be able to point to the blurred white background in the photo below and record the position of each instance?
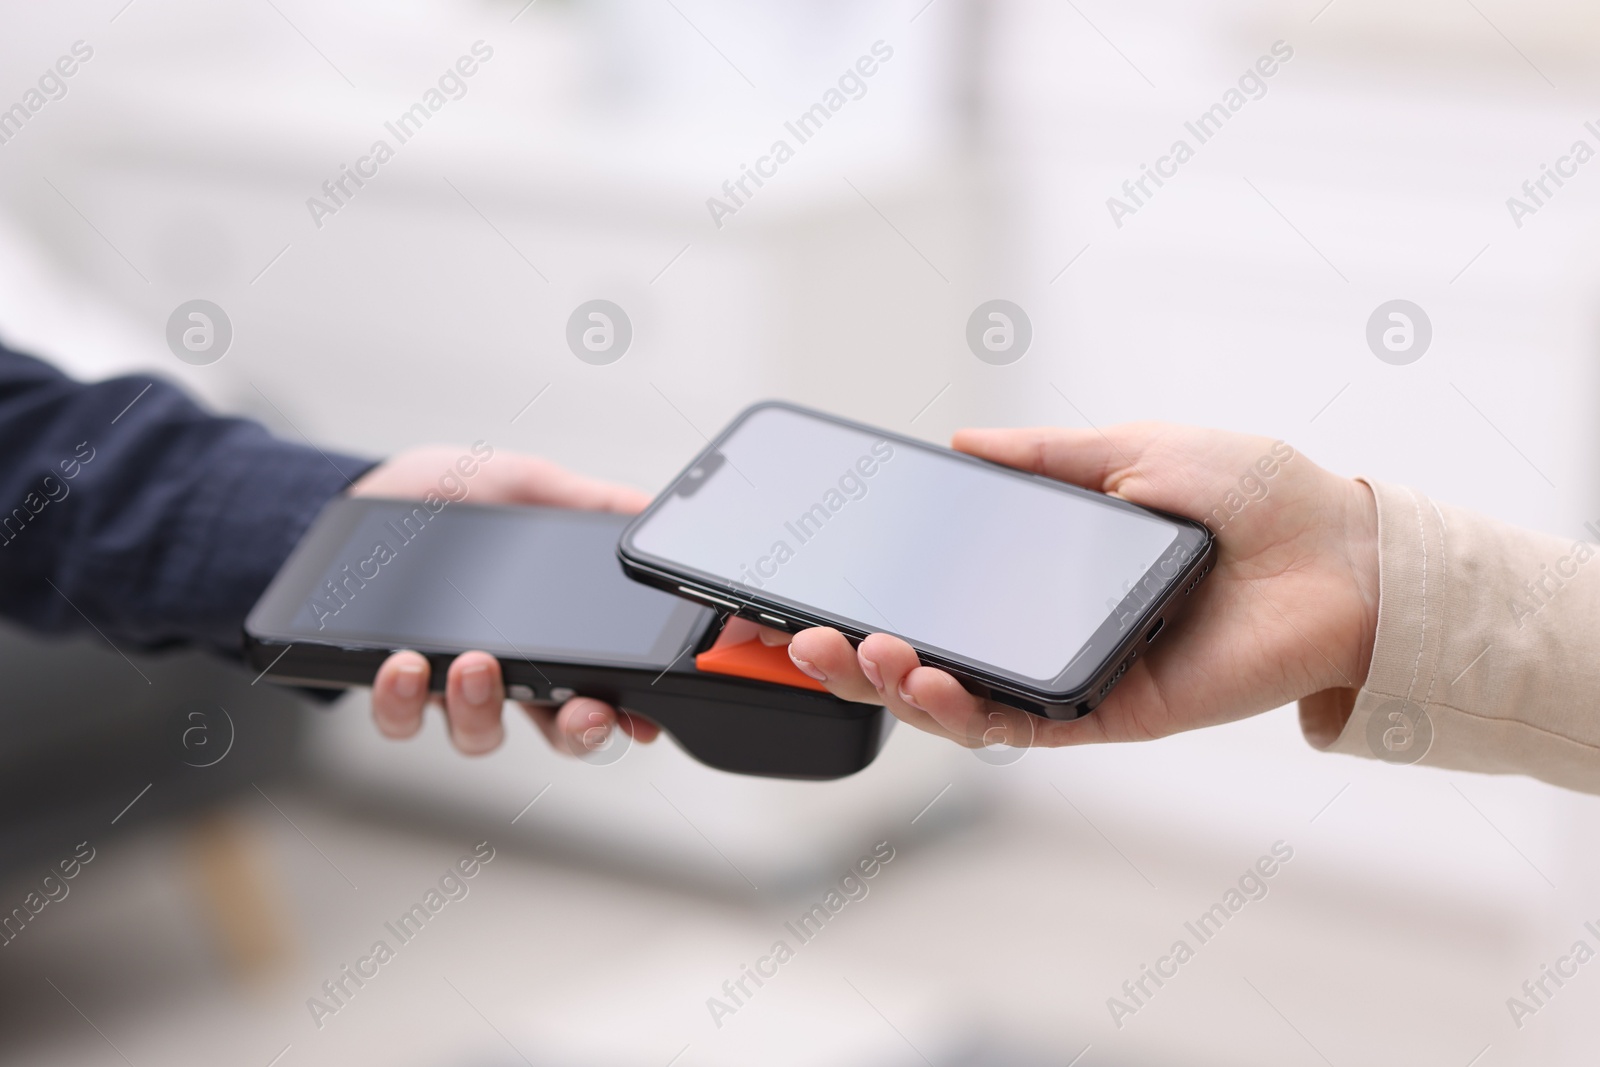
(977, 165)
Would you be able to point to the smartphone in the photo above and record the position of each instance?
(541, 590)
(1033, 593)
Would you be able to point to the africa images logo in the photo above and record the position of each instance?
(599, 332)
(999, 332)
(199, 332)
(1399, 731)
(1399, 332)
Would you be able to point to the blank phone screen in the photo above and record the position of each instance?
(530, 583)
(1005, 570)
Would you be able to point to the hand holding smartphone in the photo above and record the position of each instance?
(1290, 613)
(1033, 593)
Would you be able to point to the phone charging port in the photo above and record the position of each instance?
(1151, 636)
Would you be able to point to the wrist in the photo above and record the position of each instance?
(1324, 713)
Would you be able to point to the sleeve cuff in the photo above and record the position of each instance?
(262, 498)
(1482, 661)
(1405, 674)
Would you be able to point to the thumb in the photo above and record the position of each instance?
(1094, 459)
(531, 480)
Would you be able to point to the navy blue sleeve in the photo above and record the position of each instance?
(126, 508)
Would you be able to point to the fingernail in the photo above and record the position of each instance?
(907, 697)
(595, 737)
(408, 680)
(388, 722)
(807, 668)
(870, 669)
(476, 744)
(475, 685)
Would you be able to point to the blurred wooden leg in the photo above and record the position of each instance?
(244, 910)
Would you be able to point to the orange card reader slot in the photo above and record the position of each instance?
(752, 659)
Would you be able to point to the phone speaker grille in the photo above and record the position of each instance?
(1115, 678)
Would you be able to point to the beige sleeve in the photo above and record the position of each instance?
(1488, 649)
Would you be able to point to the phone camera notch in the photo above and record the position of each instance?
(700, 473)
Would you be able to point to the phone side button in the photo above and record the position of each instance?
(708, 598)
(782, 624)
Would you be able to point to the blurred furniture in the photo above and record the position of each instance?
(92, 744)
